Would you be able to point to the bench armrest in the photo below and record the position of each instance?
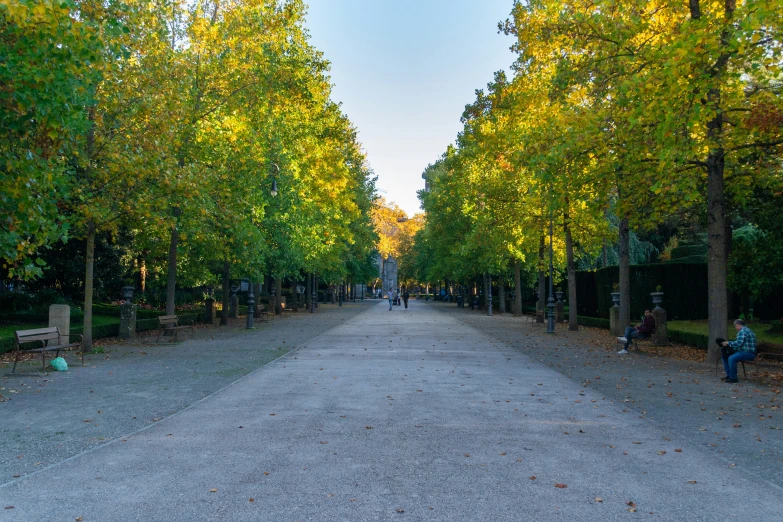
(766, 355)
(80, 336)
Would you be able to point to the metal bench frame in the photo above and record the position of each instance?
(44, 336)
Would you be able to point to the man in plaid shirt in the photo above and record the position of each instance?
(744, 350)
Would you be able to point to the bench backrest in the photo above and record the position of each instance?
(38, 334)
(168, 320)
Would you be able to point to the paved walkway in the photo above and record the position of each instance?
(421, 418)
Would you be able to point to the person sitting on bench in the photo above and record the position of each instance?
(741, 349)
(643, 330)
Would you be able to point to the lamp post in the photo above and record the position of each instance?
(550, 327)
(250, 308)
(274, 171)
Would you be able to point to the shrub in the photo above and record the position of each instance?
(595, 322)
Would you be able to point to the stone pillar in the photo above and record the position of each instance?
(614, 316)
(661, 335)
(128, 320)
(559, 312)
(209, 312)
(60, 316)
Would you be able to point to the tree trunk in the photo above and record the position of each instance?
(488, 292)
(625, 276)
(309, 291)
(501, 295)
(315, 284)
(88, 287)
(517, 289)
(171, 283)
(541, 280)
(226, 292)
(717, 289)
(278, 296)
(571, 270)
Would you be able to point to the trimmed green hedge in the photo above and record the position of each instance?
(690, 338)
(684, 286)
(696, 340)
(110, 330)
(595, 322)
(114, 311)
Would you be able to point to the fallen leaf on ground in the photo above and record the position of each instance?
(156, 419)
(251, 500)
(598, 499)
(678, 450)
(467, 454)
(400, 510)
(368, 427)
(213, 490)
(561, 486)
(691, 482)
(533, 477)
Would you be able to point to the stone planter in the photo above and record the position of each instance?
(127, 292)
(657, 298)
(615, 298)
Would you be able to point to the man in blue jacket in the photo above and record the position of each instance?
(743, 347)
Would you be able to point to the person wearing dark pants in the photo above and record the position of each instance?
(391, 298)
(645, 329)
(743, 348)
(405, 297)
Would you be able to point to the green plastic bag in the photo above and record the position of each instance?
(59, 364)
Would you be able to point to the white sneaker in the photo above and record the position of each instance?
(623, 352)
(622, 339)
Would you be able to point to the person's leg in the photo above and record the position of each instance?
(630, 333)
(390, 303)
(725, 365)
(735, 359)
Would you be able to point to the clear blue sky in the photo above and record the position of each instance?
(404, 71)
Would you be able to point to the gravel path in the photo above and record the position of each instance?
(403, 415)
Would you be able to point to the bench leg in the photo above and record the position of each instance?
(16, 360)
(743, 369)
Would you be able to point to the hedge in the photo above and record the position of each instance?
(678, 336)
(109, 330)
(595, 322)
(684, 286)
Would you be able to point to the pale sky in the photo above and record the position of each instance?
(404, 71)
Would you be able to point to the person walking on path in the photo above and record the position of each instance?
(391, 298)
(405, 297)
(645, 329)
(743, 348)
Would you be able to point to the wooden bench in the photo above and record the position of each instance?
(285, 310)
(648, 338)
(261, 313)
(50, 340)
(766, 354)
(171, 322)
(534, 318)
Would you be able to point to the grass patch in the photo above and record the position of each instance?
(7, 330)
(700, 328)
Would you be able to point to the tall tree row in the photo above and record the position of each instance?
(640, 109)
(172, 120)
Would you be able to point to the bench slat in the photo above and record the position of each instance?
(37, 331)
